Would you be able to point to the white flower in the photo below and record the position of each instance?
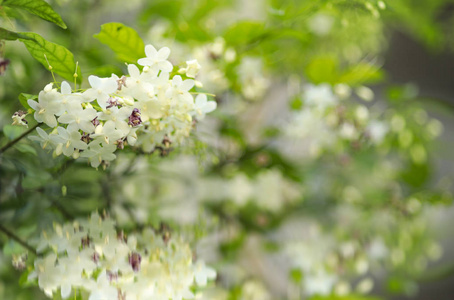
(18, 118)
(68, 275)
(150, 109)
(118, 116)
(241, 189)
(321, 24)
(203, 273)
(46, 271)
(254, 290)
(161, 84)
(44, 138)
(71, 140)
(250, 72)
(48, 106)
(377, 131)
(98, 151)
(320, 283)
(109, 133)
(192, 68)
(68, 97)
(138, 85)
(81, 118)
(203, 106)
(179, 90)
(101, 89)
(156, 60)
(102, 289)
(348, 131)
(320, 96)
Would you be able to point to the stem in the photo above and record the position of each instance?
(17, 239)
(11, 143)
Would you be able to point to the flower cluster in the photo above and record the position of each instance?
(169, 193)
(147, 108)
(344, 264)
(323, 122)
(92, 258)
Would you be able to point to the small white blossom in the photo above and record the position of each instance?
(18, 118)
(156, 60)
(192, 68)
(98, 152)
(203, 106)
(71, 140)
(81, 118)
(48, 106)
(101, 89)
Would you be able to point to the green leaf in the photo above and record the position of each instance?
(123, 40)
(39, 8)
(23, 97)
(12, 132)
(244, 33)
(11, 35)
(12, 247)
(361, 74)
(323, 70)
(23, 279)
(60, 58)
(25, 148)
(296, 275)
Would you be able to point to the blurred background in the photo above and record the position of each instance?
(333, 134)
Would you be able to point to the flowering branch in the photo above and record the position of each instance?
(17, 239)
(11, 143)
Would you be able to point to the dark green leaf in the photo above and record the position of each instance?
(11, 35)
(123, 40)
(39, 8)
(60, 58)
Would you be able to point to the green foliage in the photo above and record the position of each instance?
(123, 40)
(39, 8)
(12, 132)
(327, 69)
(323, 69)
(296, 275)
(24, 97)
(58, 57)
(11, 35)
(12, 247)
(400, 285)
(244, 33)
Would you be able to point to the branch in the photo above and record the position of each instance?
(11, 143)
(17, 239)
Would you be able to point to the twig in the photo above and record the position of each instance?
(17, 239)
(11, 143)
